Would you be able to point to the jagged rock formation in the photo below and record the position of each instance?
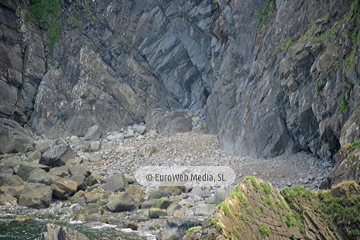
(254, 210)
(274, 76)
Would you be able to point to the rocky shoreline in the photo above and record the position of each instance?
(96, 173)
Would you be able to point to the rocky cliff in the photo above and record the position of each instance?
(274, 76)
(254, 210)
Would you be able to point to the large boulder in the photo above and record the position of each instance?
(57, 156)
(36, 195)
(55, 232)
(8, 179)
(121, 202)
(116, 182)
(14, 138)
(27, 167)
(80, 169)
(64, 187)
(93, 133)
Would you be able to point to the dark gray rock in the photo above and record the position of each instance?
(157, 213)
(14, 138)
(57, 156)
(116, 183)
(62, 171)
(36, 195)
(55, 232)
(121, 202)
(26, 168)
(93, 133)
(39, 176)
(158, 194)
(80, 179)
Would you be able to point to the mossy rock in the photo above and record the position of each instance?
(345, 189)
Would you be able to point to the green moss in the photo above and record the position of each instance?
(351, 157)
(263, 229)
(237, 235)
(356, 144)
(319, 87)
(253, 181)
(49, 12)
(344, 105)
(229, 237)
(157, 226)
(353, 233)
(282, 47)
(267, 188)
(193, 229)
(265, 15)
(213, 222)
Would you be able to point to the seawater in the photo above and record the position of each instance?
(31, 229)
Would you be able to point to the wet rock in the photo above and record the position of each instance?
(8, 179)
(57, 156)
(7, 200)
(22, 218)
(121, 202)
(36, 195)
(93, 134)
(14, 138)
(116, 182)
(54, 232)
(64, 188)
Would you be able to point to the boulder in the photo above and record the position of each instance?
(64, 188)
(33, 156)
(157, 213)
(134, 189)
(36, 195)
(14, 138)
(94, 146)
(54, 232)
(39, 176)
(158, 194)
(44, 144)
(90, 180)
(204, 209)
(148, 204)
(14, 191)
(116, 182)
(80, 169)
(8, 179)
(140, 129)
(121, 202)
(173, 190)
(93, 133)
(80, 179)
(62, 171)
(162, 203)
(57, 156)
(27, 167)
(7, 200)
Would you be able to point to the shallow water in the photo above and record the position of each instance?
(30, 229)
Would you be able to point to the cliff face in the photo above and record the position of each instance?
(254, 210)
(274, 76)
